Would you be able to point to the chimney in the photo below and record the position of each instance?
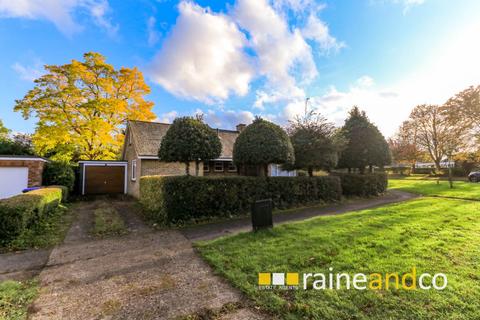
(240, 127)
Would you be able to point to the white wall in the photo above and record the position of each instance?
(276, 171)
(12, 181)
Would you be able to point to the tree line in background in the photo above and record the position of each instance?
(439, 132)
(82, 107)
(310, 143)
(14, 144)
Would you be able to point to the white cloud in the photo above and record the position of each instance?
(29, 73)
(210, 56)
(226, 119)
(318, 31)
(365, 81)
(406, 4)
(59, 12)
(203, 57)
(297, 6)
(99, 10)
(283, 55)
(387, 111)
(167, 117)
(153, 35)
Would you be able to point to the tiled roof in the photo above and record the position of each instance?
(147, 137)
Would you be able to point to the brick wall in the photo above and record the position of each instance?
(156, 167)
(133, 187)
(35, 169)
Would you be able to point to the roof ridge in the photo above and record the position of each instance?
(169, 124)
(155, 122)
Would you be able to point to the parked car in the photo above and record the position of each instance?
(474, 176)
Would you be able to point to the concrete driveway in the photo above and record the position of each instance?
(143, 275)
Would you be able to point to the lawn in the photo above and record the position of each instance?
(15, 297)
(434, 235)
(461, 189)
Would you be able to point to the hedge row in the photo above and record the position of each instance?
(173, 199)
(20, 212)
(363, 185)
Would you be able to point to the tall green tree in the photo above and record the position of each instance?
(365, 144)
(3, 130)
(189, 140)
(17, 144)
(314, 142)
(82, 107)
(262, 143)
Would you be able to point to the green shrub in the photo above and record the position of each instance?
(20, 212)
(363, 185)
(59, 173)
(65, 192)
(403, 171)
(456, 172)
(172, 199)
(424, 170)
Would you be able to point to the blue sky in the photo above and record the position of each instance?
(237, 59)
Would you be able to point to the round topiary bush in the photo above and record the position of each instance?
(261, 144)
(59, 173)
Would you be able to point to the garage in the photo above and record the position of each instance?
(13, 181)
(103, 177)
(18, 173)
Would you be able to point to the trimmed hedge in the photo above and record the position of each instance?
(180, 198)
(403, 171)
(59, 173)
(424, 171)
(20, 212)
(363, 185)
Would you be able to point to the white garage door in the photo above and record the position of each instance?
(12, 181)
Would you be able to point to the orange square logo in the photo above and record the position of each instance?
(292, 279)
(264, 279)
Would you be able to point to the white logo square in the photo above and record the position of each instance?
(278, 279)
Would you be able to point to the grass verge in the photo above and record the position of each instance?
(461, 189)
(433, 235)
(47, 232)
(108, 222)
(15, 297)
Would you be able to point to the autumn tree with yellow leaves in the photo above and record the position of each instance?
(82, 108)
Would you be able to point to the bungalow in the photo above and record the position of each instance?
(140, 151)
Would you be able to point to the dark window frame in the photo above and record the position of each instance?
(215, 166)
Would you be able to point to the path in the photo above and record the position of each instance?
(22, 265)
(142, 275)
(215, 230)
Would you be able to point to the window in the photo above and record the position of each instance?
(218, 166)
(134, 170)
(231, 167)
(206, 166)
